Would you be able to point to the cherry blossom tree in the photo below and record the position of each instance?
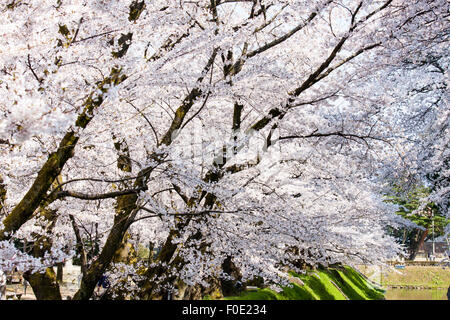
(239, 138)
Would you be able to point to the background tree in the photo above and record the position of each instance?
(430, 221)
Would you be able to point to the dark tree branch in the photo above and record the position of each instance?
(84, 196)
(32, 70)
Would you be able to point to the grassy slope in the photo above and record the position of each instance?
(319, 286)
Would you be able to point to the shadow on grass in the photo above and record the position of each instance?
(319, 285)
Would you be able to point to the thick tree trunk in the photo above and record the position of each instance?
(417, 244)
(59, 272)
(44, 285)
(198, 292)
(231, 287)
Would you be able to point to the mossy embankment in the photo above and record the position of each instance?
(324, 284)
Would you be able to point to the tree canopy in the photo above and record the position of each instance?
(238, 138)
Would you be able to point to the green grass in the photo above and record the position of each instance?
(354, 286)
(369, 291)
(320, 285)
(329, 281)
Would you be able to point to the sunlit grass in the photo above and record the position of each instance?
(324, 284)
